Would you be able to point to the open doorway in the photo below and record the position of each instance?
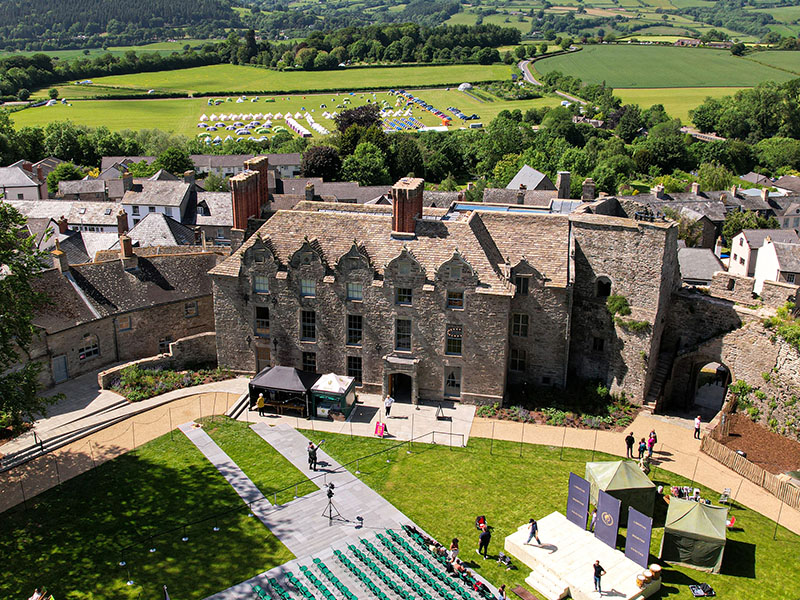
(712, 385)
(400, 387)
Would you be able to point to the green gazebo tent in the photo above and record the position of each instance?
(624, 480)
(694, 535)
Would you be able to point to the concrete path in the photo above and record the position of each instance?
(677, 451)
(405, 421)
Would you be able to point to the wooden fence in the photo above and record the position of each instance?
(782, 490)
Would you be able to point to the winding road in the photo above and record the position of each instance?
(524, 66)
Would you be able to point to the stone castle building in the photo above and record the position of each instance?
(445, 302)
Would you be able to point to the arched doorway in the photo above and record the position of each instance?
(711, 385)
(400, 387)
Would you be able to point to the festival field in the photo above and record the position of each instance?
(638, 66)
(677, 101)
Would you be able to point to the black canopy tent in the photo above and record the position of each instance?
(283, 388)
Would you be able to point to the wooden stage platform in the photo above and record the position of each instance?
(562, 565)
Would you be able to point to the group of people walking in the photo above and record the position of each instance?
(645, 446)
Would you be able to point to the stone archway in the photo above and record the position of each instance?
(711, 386)
(400, 374)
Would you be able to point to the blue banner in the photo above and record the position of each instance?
(607, 518)
(578, 500)
(637, 543)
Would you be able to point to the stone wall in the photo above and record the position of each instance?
(695, 318)
(777, 293)
(735, 288)
(183, 353)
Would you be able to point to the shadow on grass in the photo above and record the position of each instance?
(739, 559)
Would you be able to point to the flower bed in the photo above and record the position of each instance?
(138, 384)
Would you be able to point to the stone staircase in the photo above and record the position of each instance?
(547, 583)
(655, 394)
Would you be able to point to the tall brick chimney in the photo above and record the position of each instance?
(60, 261)
(244, 197)
(122, 222)
(63, 226)
(127, 181)
(563, 184)
(188, 177)
(406, 206)
(310, 192)
(125, 247)
(695, 188)
(260, 164)
(765, 194)
(588, 190)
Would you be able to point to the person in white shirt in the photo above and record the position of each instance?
(387, 404)
(697, 428)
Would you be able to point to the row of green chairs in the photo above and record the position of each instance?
(300, 586)
(282, 593)
(467, 579)
(348, 595)
(326, 593)
(419, 571)
(441, 575)
(420, 591)
(398, 589)
(360, 575)
(261, 592)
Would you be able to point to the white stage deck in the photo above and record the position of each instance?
(562, 565)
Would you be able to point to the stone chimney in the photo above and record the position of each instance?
(63, 226)
(765, 194)
(563, 184)
(588, 190)
(122, 222)
(129, 259)
(260, 164)
(188, 177)
(521, 194)
(309, 192)
(198, 238)
(734, 190)
(406, 206)
(695, 188)
(658, 191)
(718, 247)
(60, 261)
(40, 173)
(244, 198)
(127, 181)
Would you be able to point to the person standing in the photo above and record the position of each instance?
(598, 573)
(697, 427)
(260, 405)
(642, 448)
(483, 541)
(312, 456)
(594, 515)
(651, 443)
(501, 592)
(387, 404)
(453, 553)
(629, 441)
(533, 532)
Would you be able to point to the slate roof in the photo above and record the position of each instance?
(82, 186)
(17, 177)
(66, 308)
(755, 237)
(210, 160)
(157, 229)
(531, 179)
(162, 175)
(42, 209)
(92, 213)
(788, 182)
(158, 193)
(788, 257)
(220, 207)
(342, 191)
(757, 178)
(438, 199)
(698, 264)
(541, 198)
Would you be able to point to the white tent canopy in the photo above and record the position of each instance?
(332, 383)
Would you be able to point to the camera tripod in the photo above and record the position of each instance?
(331, 511)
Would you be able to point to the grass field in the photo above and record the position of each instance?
(181, 115)
(163, 47)
(233, 78)
(677, 101)
(789, 61)
(443, 490)
(658, 66)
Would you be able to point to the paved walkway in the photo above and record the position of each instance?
(677, 451)
(405, 422)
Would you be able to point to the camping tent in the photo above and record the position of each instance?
(624, 480)
(694, 534)
(283, 388)
(333, 395)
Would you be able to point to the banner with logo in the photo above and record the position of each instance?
(607, 518)
(578, 500)
(637, 544)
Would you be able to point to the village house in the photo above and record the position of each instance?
(23, 181)
(777, 261)
(745, 247)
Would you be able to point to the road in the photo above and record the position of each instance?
(524, 66)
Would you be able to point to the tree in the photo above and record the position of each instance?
(215, 183)
(713, 176)
(142, 169)
(365, 116)
(630, 122)
(738, 220)
(321, 161)
(53, 93)
(543, 48)
(174, 160)
(689, 231)
(367, 166)
(23, 94)
(20, 261)
(63, 172)
(738, 49)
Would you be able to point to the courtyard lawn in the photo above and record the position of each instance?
(232, 78)
(259, 460)
(181, 115)
(677, 101)
(69, 538)
(443, 490)
(638, 66)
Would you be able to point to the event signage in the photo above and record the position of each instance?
(637, 544)
(578, 500)
(380, 429)
(607, 518)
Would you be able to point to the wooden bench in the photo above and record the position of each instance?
(523, 593)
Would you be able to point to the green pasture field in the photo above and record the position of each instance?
(677, 101)
(635, 66)
(234, 78)
(164, 47)
(784, 14)
(182, 115)
(780, 59)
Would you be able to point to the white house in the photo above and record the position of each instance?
(777, 261)
(19, 183)
(745, 246)
(166, 197)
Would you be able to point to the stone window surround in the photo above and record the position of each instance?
(452, 374)
(454, 339)
(455, 299)
(308, 324)
(522, 283)
(354, 291)
(520, 324)
(124, 323)
(518, 360)
(260, 283)
(603, 286)
(90, 347)
(355, 368)
(308, 287)
(397, 336)
(354, 328)
(404, 296)
(261, 325)
(191, 309)
(309, 362)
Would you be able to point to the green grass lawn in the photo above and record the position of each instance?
(677, 101)
(259, 460)
(68, 538)
(181, 115)
(443, 490)
(637, 66)
(787, 60)
(234, 78)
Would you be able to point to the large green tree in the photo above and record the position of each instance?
(738, 220)
(19, 265)
(63, 172)
(175, 160)
(367, 166)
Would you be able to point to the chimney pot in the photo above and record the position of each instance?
(695, 188)
(188, 177)
(125, 247)
(122, 222)
(63, 226)
(309, 192)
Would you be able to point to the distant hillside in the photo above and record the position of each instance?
(44, 24)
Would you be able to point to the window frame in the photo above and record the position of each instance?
(151, 209)
(454, 339)
(520, 329)
(404, 296)
(350, 288)
(398, 334)
(191, 309)
(89, 349)
(307, 359)
(351, 329)
(448, 389)
(790, 277)
(518, 360)
(455, 299)
(257, 279)
(258, 322)
(598, 344)
(356, 373)
(123, 319)
(308, 288)
(163, 344)
(308, 319)
(523, 284)
(135, 210)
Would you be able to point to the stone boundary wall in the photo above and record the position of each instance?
(776, 293)
(735, 288)
(200, 348)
